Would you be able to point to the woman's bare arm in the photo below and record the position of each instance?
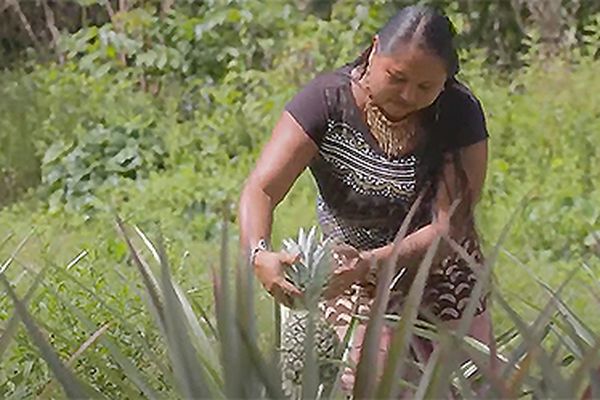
(412, 248)
(282, 160)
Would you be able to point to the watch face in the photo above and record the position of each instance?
(261, 245)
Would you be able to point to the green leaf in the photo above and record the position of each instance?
(229, 337)
(365, 385)
(4, 266)
(269, 376)
(310, 374)
(190, 374)
(74, 388)
(431, 369)
(162, 59)
(400, 342)
(531, 336)
(483, 275)
(122, 319)
(55, 151)
(150, 282)
(10, 329)
(200, 339)
(395, 363)
(146, 59)
(129, 368)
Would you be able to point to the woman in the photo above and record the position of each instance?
(377, 134)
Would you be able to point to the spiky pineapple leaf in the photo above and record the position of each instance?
(311, 245)
(269, 376)
(190, 373)
(310, 375)
(431, 369)
(395, 364)
(89, 342)
(587, 368)
(122, 320)
(483, 275)
(151, 284)
(342, 353)
(580, 337)
(129, 368)
(199, 337)
(319, 277)
(73, 387)
(552, 377)
(225, 307)
(366, 375)
(245, 322)
(202, 342)
(400, 342)
(12, 325)
(4, 266)
(491, 376)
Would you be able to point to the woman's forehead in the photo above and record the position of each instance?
(415, 61)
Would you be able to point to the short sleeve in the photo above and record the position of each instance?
(309, 108)
(465, 118)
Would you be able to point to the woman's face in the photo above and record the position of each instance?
(405, 81)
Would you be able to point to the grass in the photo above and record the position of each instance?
(121, 317)
(103, 284)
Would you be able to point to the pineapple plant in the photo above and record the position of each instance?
(309, 275)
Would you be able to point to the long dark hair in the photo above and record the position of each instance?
(423, 25)
(434, 32)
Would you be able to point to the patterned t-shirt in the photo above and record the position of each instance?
(364, 194)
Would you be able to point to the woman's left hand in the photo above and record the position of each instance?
(350, 267)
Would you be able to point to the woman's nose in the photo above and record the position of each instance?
(408, 95)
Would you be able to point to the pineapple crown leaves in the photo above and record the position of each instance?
(311, 272)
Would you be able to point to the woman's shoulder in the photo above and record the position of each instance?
(462, 114)
(330, 78)
(316, 87)
(310, 105)
(458, 96)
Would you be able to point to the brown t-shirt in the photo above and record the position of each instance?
(364, 194)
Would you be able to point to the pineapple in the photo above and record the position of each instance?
(309, 275)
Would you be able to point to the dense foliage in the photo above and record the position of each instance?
(159, 114)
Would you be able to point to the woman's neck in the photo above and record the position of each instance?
(359, 91)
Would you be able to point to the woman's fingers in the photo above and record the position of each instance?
(340, 280)
(289, 259)
(346, 267)
(290, 289)
(345, 251)
(280, 296)
(339, 259)
(284, 292)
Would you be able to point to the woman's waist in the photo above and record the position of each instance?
(372, 214)
(361, 215)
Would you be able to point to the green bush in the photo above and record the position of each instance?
(100, 157)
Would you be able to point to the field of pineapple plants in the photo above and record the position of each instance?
(123, 148)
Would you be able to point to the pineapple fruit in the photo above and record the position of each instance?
(309, 275)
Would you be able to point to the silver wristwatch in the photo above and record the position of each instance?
(260, 246)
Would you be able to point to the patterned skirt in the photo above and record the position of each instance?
(451, 277)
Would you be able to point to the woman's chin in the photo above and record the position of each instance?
(398, 116)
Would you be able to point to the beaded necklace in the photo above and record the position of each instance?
(394, 137)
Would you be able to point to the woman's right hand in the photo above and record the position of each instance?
(268, 267)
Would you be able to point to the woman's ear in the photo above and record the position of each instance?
(374, 49)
